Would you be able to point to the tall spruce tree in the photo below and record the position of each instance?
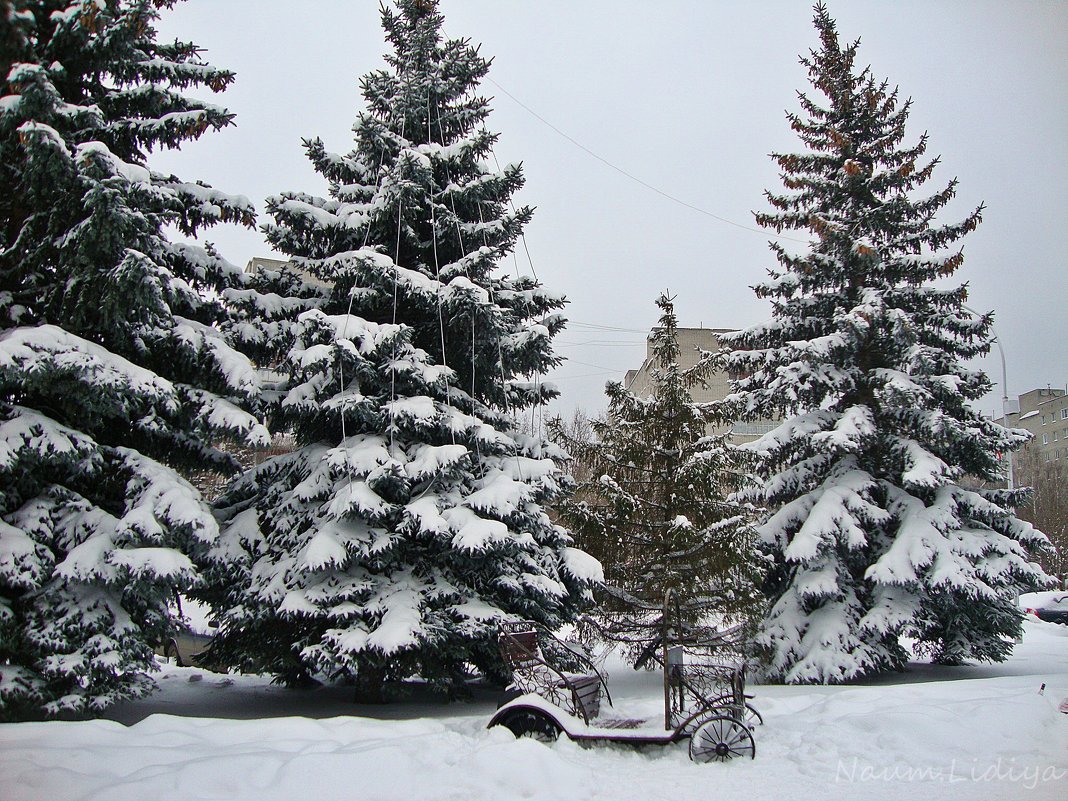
(410, 520)
(113, 370)
(655, 510)
(873, 534)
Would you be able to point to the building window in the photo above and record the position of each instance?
(1048, 457)
(1045, 439)
(1056, 435)
(1064, 413)
(754, 429)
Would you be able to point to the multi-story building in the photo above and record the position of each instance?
(1042, 465)
(1043, 412)
(258, 263)
(717, 385)
(263, 263)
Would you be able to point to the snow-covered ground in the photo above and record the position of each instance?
(981, 732)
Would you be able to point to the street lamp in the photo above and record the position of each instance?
(1005, 403)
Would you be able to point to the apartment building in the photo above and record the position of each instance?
(1043, 412)
(691, 342)
(265, 264)
(261, 263)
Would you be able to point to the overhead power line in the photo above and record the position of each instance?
(602, 343)
(583, 375)
(638, 180)
(598, 327)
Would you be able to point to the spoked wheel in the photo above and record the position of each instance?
(533, 724)
(721, 738)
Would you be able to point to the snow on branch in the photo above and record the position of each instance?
(49, 347)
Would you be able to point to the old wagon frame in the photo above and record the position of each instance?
(704, 693)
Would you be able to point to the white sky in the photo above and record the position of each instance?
(689, 96)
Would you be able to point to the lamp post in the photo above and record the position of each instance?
(1004, 396)
(1005, 408)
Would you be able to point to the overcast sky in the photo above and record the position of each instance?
(687, 96)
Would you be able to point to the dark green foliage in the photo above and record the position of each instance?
(410, 520)
(114, 365)
(654, 508)
(873, 535)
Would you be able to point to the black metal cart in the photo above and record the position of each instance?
(704, 691)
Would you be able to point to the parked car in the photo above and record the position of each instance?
(1055, 610)
(186, 647)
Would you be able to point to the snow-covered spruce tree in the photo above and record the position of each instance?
(112, 375)
(410, 520)
(655, 510)
(873, 534)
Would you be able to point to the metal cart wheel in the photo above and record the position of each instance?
(720, 739)
(533, 724)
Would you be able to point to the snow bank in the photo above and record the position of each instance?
(945, 733)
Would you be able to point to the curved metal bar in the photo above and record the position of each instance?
(547, 687)
(586, 662)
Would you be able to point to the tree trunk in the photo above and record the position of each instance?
(370, 685)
